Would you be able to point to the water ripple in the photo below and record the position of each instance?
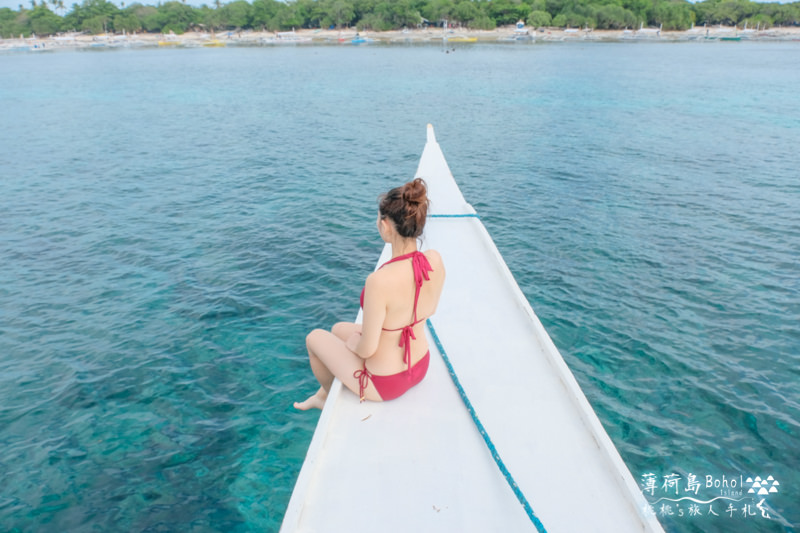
(162, 267)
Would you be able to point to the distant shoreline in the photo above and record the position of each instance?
(416, 36)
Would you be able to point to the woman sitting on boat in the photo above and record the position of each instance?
(387, 354)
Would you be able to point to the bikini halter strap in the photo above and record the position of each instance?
(421, 268)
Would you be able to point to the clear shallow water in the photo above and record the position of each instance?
(174, 222)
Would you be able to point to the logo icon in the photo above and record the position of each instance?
(762, 486)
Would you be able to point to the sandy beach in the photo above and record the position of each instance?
(417, 36)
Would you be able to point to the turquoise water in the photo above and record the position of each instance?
(172, 223)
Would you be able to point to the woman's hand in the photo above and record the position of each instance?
(352, 342)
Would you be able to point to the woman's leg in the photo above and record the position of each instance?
(329, 358)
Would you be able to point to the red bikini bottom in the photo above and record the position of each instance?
(394, 385)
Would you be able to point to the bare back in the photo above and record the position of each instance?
(395, 284)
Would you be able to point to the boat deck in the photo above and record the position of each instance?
(419, 463)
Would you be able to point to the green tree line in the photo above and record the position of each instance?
(48, 17)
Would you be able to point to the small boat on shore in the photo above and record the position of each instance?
(521, 34)
(170, 40)
(648, 33)
(460, 39)
(358, 39)
(497, 437)
(286, 37)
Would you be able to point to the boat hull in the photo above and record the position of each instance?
(420, 463)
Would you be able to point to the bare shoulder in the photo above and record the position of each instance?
(435, 259)
(374, 278)
(378, 280)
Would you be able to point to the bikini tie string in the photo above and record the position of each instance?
(363, 377)
(406, 335)
(421, 268)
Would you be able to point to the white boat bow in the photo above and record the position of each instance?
(419, 462)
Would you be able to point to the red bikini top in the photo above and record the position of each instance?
(421, 268)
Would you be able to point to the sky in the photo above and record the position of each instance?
(14, 4)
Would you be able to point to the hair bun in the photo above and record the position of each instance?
(415, 192)
(407, 206)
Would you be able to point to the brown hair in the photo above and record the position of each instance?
(407, 207)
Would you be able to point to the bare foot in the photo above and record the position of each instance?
(315, 401)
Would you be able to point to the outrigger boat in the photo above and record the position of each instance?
(286, 37)
(529, 453)
(459, 39)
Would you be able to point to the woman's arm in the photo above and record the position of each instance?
(372, 319)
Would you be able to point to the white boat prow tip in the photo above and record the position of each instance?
(419, 463)
(443, 192)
